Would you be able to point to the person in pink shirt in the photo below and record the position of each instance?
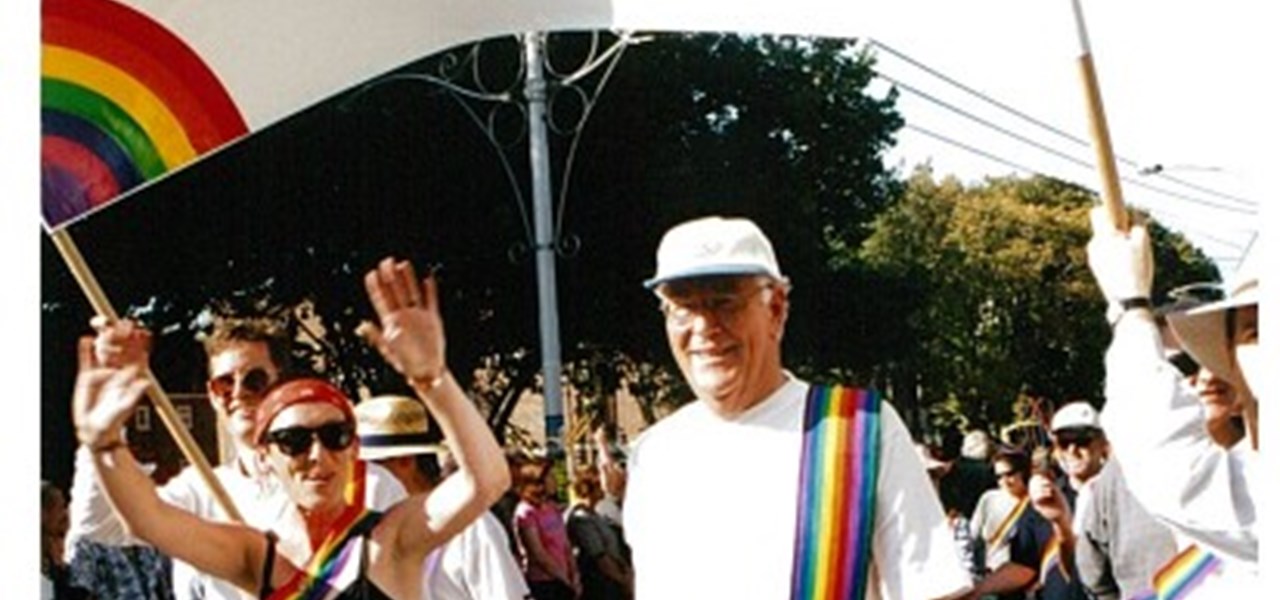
(544, 540)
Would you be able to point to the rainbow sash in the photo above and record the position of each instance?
(337, 559)
(1001, 534)
(1176, 579)
(1051, 558)
(836, 516)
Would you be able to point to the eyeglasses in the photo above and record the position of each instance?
(725, 305)
(296, 441)
(254, 381)
(1078, 437)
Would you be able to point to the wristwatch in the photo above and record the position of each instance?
(1115, 310)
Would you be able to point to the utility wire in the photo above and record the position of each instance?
(1026, 140)
(1164, 215)
(1041, 124)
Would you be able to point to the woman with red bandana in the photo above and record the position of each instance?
(305, 434)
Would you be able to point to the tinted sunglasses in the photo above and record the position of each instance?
(254, 381)
(296, 441)
(1080, 437)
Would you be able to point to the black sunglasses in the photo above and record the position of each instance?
(1080, 437)
(296, 441)
(255, 381)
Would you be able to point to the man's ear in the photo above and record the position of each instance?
(779, 309)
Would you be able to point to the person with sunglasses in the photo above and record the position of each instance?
(1206, 493)
(245, 356)
(304, 432)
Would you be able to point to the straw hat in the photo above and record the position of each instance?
(391, 426)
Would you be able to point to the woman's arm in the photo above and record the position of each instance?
(411, 338)
(104, 398)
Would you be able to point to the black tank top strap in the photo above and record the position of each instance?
(268, 566)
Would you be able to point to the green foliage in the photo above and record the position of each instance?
(1008, 305)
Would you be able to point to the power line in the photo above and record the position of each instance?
(1162, 214)
(1044, 148)
(1043, 125)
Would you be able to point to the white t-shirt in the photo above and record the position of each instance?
(711, 507)
(475, 565)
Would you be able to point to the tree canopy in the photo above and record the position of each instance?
(1006, 306)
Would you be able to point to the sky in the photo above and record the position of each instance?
(1180, 88)
(1185, 85)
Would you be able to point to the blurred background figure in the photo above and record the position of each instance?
(547, 555)
(603, 566)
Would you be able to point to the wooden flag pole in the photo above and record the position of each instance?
(1111, 195)
(98, 300)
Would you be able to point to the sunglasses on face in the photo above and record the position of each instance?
(296, 441)
(1006, 474)
(255, 381)
(1066, 439)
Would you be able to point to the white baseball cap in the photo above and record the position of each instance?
(1076, 415)
(712, 246)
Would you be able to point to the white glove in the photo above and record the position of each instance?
(1120, 260)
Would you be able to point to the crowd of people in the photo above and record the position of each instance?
(767, 486)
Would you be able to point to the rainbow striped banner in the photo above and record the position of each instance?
(123, 101)
(836, 516)
(1184, 573)
(336, 557)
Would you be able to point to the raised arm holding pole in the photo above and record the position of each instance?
(102, 306)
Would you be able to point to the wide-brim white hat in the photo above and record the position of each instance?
(1203, 330)
(714, 246)
(391, 426)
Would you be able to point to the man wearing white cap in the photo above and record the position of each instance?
(1156, 424)
(723, 496)
(477, 563)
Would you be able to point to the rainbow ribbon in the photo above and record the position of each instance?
(1184, 572)
(1006, 526)
(1052, 558)
(336, 555)
(836, 516)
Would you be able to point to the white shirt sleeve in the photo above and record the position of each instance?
(914, 550)
(1157, 431)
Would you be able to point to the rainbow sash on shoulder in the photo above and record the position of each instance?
(1005, 528)
(1176, 579)
(836, 515)
(337, 560)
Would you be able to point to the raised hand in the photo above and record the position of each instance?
(410, 333)
(120, 343)
(1120, 260)
(104, 397)
(1048, 500)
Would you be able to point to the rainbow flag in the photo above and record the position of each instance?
(836, 515)
(336, 561)
(122, 101)
(1184, 573)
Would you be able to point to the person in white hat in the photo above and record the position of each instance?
(1155, 422)
(713, 490)
(1079, 446)
(477, 563)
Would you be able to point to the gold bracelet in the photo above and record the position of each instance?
(111, 446)
(426, 385)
